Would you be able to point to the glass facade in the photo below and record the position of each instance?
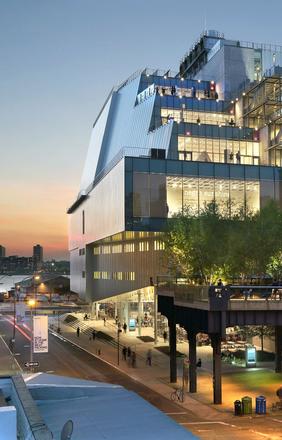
(218, 150)
(158, 189)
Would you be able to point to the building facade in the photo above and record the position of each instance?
(2, 251)
(164, 141)
(37, 257)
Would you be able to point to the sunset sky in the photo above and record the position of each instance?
(59, 60)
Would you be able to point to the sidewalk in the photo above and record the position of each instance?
(156, 377)
(8, 364)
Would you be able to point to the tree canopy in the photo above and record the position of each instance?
(211, 245)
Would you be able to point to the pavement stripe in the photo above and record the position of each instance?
(19, 329)
(276, 420)
(175, 413)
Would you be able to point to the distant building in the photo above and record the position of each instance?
(48, 284)
(14, 264)
(2, 251)
(37, 257)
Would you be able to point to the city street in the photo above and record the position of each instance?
(65, 358)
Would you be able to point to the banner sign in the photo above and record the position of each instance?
(20, 312)
(40, 334)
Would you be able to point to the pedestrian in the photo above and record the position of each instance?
(165, 335)
(116, 319)
(199, 363)
(124, 327)
(124, 351)
(149, 358)
(128, 352)
(77, 332)
(219, 283)
(93, 334)
(133, 359)
(104, 321)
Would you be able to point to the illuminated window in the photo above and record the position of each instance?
(97, 275)
(143, 246)
(105, 275)
(117, 276)
(116, 248)
(106, 249)
(129, 276)
(117, 237)
(96, 250)
(129, 235)
(129, 247)
(159, 245)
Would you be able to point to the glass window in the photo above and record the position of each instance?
(266, 192)
(222, 195)
(206, 192)
(158, 195)
(96, 275)
(252, 196)
(141, 195)
(129, 247)
(96, 250)
(237, 197)
(190, 194)
(174, 195)
(143, 246)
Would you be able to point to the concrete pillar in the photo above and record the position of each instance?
(155, 315)
(172, 351)
(124, 312)
(139, 313)
(278, 348)
(97, 309)
(217, 385)
(116, 309)
(192, 361)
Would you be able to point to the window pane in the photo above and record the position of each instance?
(174, 194)
(141, 194)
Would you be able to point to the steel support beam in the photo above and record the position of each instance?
(172, 350)
(192, 362)
(217, 385)
(278, 348)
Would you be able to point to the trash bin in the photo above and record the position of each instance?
(260, 405)
(237, 408)
(246, 405)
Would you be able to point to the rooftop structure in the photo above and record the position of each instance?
(39, 409)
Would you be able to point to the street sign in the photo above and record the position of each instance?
(31, 364)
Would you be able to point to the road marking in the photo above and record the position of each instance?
(276, 420)
(17, 354)
(50, 371)
(260, 433)
(175, 413)
(209, 423)
(26, 346)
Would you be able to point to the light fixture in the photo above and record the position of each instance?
(212, 82)
(244, 94)
(199, 80)
(232, 102)
(182, 79)
(237, 99)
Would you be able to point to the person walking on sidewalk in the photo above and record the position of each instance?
(128, 352)
(124, 327)
(165, 335)
(149, 358)
(124, 351)
(77, 332)
(93, 334)
(105, 321)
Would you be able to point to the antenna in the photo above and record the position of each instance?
(67, 430)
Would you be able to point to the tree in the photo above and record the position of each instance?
(210, 245)
(195, 245)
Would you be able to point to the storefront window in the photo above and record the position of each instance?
(252, 196)
(141, 195)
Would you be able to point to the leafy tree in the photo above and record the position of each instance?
(212, 245)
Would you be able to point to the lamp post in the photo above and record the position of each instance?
(31, 304)
(35, 278)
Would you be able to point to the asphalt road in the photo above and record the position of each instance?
(66, 359)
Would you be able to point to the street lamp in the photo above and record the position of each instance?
(31, 304)
(35, 278)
